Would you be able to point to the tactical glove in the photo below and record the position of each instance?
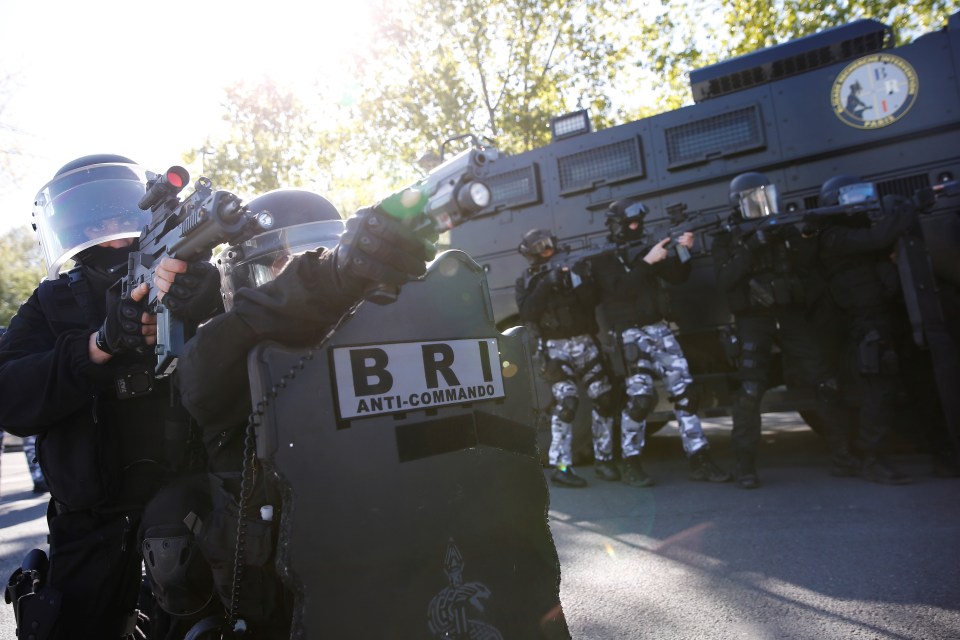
(378, 249)
(195, 295)
(122, 330)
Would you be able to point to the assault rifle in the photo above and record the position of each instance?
(185, 230)
(449, 195)
(852, 214)
(679, 223)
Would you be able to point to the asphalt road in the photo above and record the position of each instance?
(806, 556)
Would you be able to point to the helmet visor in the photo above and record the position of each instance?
(540, 245)
(87, 207)
(759, 201)
(857, 193)
(260, 259)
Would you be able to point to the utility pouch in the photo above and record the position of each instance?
(259, 588)
(761, 294)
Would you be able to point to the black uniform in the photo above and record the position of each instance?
(864, 282)
(297, 308)
(773, 289)
(103, 457)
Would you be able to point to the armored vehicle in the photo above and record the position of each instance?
(844, 100)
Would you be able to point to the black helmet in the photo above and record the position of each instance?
(620, 215)
(846, 189)
(303, 221)
(753, 195)
(90, 201)
(534, 243)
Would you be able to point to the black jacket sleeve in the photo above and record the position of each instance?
(532, 298)
(839, 242)
(45, 377)
(297, 308)
(733, 259)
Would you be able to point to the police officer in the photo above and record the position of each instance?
(768, 275)
(558, 304)
(70, 352)
(858, 261)
(281, 285)
(30, 452)
(632, 304)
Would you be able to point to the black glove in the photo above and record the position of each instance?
(556, 278)
(378, 249)
(122, 330)
(195, 295)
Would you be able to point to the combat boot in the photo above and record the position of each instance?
(565, 477)
(844, 464)
(746, 473)
(704, 469)
(606, 470)
(946, 465)
(876, 469)
(633, 473)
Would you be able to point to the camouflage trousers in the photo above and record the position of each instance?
(30, 450)
(651, 351)
(573, 360)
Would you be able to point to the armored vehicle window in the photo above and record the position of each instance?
(720, 135)
(609, 163)
(517, 188)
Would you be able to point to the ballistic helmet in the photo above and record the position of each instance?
(538, 246)
(303, 221)
(89, 201)
(754, 195)
(846, 189)
(621, 215)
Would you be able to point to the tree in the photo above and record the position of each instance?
(679, 40)
(496, 68)
(271, 141)
(20, 270)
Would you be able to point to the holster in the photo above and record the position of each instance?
(36, 606)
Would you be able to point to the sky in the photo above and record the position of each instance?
(146, 79)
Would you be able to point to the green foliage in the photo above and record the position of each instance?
(271, 141)
(501, 69)
(495, 68)
(679, 40)
(20, 270)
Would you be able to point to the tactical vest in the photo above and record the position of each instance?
(82, 458)
(566, 316)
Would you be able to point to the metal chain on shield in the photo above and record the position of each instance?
(247, 481)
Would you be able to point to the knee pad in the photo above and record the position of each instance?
(566, 408)
(605, 404)
(639, 407)
(180, 576)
